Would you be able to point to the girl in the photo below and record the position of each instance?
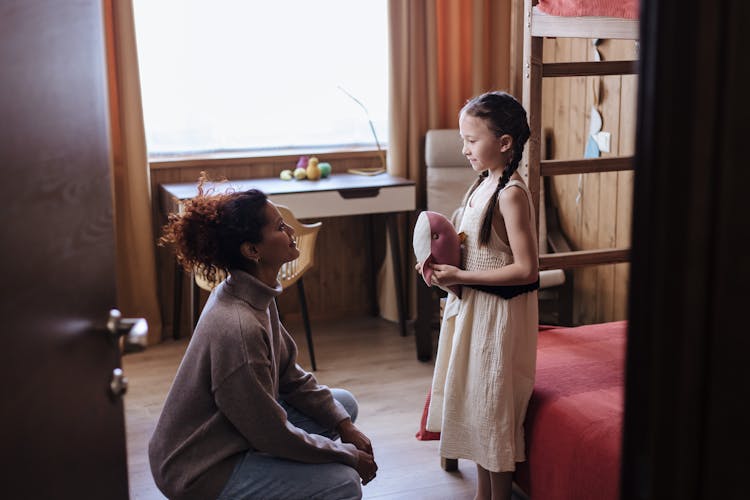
(484, 370)
(242, 419)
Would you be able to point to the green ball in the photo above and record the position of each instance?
(325, 169)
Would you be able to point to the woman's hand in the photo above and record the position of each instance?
(350, 434)
(366, 466)
(445, 275)
(418, 267)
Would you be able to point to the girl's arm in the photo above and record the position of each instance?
(514, 206)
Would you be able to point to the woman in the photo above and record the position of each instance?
(242, 419)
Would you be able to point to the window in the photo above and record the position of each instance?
(242, 75)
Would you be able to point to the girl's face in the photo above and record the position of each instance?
(278, 245)
(482, 147)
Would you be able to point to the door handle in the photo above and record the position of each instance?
(134, 331)
(119, 383)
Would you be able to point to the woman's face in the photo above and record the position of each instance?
(484, 150)
(278, 245)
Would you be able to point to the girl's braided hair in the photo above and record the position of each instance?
(503, 115)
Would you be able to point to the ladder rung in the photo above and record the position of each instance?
(565, 260)
(585, 165)
(592, 68)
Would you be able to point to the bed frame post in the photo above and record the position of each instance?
(532, 97)
(449, 464)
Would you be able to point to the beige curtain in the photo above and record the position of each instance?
(473, 39)
(442, 52)
(136, 260)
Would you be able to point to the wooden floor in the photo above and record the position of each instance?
(366, 356)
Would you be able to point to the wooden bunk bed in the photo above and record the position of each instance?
(574, 420)
(537, 26)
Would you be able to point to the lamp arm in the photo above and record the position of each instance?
(372, 127)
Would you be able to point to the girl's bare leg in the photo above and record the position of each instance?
(484, 485)
(502, 485)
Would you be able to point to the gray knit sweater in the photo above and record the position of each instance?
(223, 401)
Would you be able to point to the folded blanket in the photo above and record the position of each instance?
(627, 9)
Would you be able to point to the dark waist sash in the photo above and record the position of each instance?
(507, 291)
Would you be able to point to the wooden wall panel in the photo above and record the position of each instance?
(548, 94)
(608, 185)
(587, 202)
(560, 147)
(628, 107)
(340, 283)
(594, 209)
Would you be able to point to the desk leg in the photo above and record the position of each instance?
(177, 300)
(371, 280)
(397, 275)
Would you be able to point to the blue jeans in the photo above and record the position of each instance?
(260, 476)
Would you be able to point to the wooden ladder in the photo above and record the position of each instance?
(533, 168)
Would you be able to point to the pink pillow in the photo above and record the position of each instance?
(436, 242)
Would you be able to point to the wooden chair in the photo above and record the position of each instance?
(289, 274)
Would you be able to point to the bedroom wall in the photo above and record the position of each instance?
(343, 254)
(594, 209)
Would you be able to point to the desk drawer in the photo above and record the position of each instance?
(333, 204)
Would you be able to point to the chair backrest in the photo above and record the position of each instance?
(305, 234)
(206, 284)
(290, 272)
(449, 173)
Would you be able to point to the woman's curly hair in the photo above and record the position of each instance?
(207, 234)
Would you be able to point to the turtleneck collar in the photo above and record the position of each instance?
(247, 287)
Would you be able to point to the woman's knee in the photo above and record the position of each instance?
(347, 484)
(348, 401)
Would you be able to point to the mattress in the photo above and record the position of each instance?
(574, 421)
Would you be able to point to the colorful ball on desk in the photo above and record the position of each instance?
(286, 175)
(325, 169)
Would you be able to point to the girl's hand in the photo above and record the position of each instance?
(418, 267)
(445, 275)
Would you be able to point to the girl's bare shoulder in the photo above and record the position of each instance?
(513, 194)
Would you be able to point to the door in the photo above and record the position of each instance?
(62, 430)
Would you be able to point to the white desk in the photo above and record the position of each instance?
(336, 196)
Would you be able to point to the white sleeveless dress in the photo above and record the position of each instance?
(486, 360)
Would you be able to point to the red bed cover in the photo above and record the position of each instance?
(627, 9)
(574, 421)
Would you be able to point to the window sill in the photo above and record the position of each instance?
(163, 162)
